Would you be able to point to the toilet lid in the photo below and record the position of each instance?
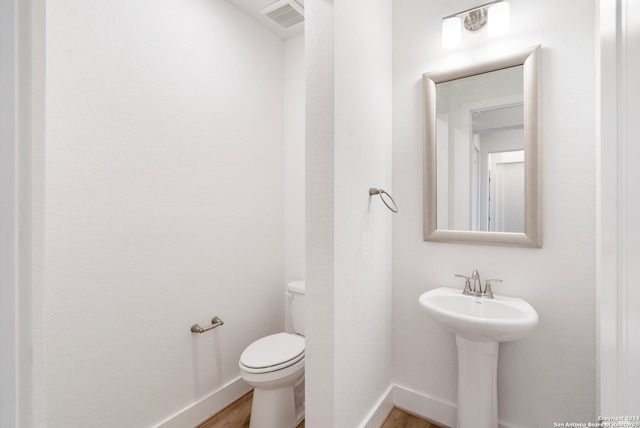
(272, 350)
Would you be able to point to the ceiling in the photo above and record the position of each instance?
(253, 8)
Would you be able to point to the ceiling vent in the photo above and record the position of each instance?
(284, 13)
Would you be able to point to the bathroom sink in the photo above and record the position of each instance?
(501, 319)
(479, 324)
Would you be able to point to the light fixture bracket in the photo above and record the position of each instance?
(474, 19)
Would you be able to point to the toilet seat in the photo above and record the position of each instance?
(272, 353)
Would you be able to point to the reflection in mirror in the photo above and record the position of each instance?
(478, 116)
(481, 152)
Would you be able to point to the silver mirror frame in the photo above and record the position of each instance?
(530, 59)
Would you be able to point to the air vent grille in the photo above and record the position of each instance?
(284, 14)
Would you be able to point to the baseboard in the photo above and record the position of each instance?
(414, 402)
(423, 405)
(395, 395)
(380, 411)
(208, 406)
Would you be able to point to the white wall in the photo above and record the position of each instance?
(10, 326)
(550, 375)
(348, 233)
(164, 196)
(618, 200)
(21, 219)
(294, 89)
(631, 202)
(362, 227)
(22, 77)
(319, 208)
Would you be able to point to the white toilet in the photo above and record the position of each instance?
(274, 366)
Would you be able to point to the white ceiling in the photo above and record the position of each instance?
(253, 8)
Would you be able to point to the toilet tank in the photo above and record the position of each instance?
(296, 306)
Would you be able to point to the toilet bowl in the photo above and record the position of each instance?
(274, 367)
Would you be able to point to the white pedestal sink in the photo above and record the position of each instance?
(479, 325)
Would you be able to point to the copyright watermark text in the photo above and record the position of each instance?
(603, 422)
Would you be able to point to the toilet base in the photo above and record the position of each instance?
(273, 408)
(298, 390)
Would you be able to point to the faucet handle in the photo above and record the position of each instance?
(467, 283)
(487, 286)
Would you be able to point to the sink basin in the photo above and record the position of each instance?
(501, 319)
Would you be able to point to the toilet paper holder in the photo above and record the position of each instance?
(215, 322)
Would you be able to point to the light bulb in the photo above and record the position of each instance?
(498, 19)
(451, 32)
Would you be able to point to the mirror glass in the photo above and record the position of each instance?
(481, 152)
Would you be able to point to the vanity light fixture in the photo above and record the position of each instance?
(498, 19)
(451, 29)
(495, 15)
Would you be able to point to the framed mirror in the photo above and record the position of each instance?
(481, 152)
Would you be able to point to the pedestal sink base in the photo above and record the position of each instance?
(477, 383)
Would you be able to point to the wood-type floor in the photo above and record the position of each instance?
(400, 419)
(237, 415)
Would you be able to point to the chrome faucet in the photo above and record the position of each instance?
(477, 291)
(477, 285)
